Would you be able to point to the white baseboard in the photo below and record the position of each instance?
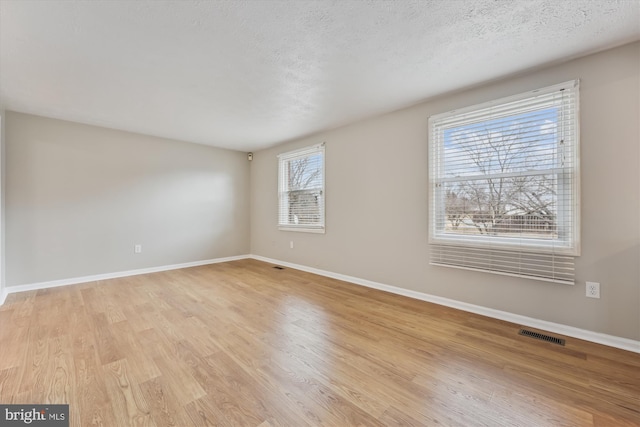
(596, 337)
(583, 334)
(85, 279)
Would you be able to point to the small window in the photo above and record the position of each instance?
(301, 190)
(504, 187)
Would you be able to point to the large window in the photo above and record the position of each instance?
(504, 185)
(301, 190)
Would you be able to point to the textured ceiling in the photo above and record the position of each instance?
(249, 74)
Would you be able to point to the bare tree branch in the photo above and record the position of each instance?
(500, 204)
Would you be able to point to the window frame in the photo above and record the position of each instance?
(569, 212)
(283, 190)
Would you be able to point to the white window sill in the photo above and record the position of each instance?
(301, 229)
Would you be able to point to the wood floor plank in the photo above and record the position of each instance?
(23, 309)
(164, 406)
(92, 300)
(130, 406)
(60, 376)
(106, 343)
(394, 417)
(225, 394)
(205, 413)
(302, 354)
(91, 400)
(135, 315)
(515, 402)
(9, 381)
(34, 366)
(143, 366)
(178, 376)
(243, 344)
(12, 353)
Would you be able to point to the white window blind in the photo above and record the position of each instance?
(301, 190)
(504, 185)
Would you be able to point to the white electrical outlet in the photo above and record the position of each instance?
(593, 290)
(137, 249)
(291, 244)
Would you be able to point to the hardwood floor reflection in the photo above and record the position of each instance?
(243, 344)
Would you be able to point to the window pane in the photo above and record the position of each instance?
(522, 206)
(301, 189)
(515, 143)
(305, 173)
(305, 207)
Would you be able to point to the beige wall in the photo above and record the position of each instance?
(79, 197)
(2, 203)
(376, 201)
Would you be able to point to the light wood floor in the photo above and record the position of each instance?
(243, 344)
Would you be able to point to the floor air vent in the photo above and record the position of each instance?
(541, 337)
(277, 267)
